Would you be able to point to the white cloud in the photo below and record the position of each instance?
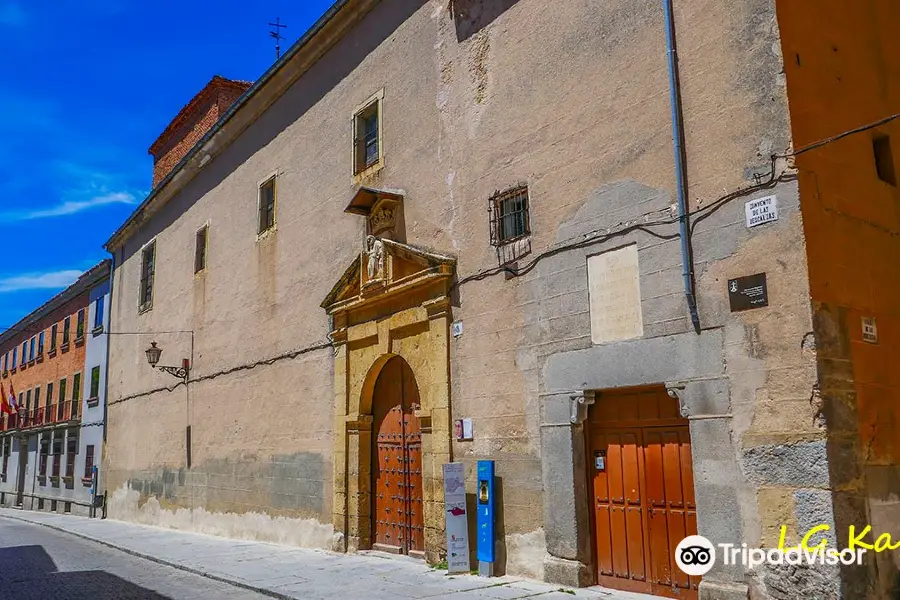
(71, 207)
(52, 280)
(11, 15)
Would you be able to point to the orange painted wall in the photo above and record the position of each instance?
(842, 61)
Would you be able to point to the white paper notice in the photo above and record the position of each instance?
(456, 518)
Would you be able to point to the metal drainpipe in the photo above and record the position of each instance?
(687, 263)
(112, 273)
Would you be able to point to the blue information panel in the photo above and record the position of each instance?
(485, 510)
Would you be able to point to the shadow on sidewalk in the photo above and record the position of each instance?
(28, 572)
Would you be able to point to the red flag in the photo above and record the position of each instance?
(7, 402)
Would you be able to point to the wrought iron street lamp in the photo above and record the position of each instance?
(153, 355)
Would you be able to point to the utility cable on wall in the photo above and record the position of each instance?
(244, 367)
(640, 223)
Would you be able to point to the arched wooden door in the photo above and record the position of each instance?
(397, 462)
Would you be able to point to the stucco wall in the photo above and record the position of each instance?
(841, 63)
(574, 101)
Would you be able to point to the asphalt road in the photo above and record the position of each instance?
(37, 563)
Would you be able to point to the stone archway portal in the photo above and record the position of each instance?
(397, 462)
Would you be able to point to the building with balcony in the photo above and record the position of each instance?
(54, 363)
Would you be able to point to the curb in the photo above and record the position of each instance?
(240, 584)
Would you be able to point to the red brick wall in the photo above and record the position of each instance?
(197, 122)
(52, 368)
(183, 140)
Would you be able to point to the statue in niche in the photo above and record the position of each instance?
(376, 257)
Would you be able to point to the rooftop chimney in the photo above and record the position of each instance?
(192, 123)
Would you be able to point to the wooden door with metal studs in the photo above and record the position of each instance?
(399, 526)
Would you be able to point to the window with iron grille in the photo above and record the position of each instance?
(200, 249)
(267, 192)
(509, 215)
(148, 267)
(366, 137)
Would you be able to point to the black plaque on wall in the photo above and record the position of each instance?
(748, 292)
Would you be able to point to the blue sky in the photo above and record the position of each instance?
(86, 88)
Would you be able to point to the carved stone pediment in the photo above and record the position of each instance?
(387, 268)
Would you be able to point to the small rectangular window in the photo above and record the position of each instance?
(15, 353)
(37, 398)
(509, 215)
(57, 456)
(76, 388)
(45, 450)
(24, 353)
(884, 159)
(89, 462)
(54, 331)
(200, 249)
(366, 137)
(67, 328)
(49, 401)
(40, 344)
(71, 451)
(267, 193)
(148, 267)
(98, 313)
(31, 350)
(28, 402)
(95, 383)
(7, 448)
(61, 404)
(79, 327)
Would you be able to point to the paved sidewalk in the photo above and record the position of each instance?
(288, 572)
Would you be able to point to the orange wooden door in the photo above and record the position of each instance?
(615, 461)
(672, 510)
(397, 510)
(643, 505)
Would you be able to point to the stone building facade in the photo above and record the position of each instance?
(458, 209)
(50, 444)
